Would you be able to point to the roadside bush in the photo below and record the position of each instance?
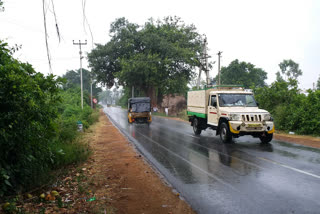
(291, 109)
(27, 122)
(38, 125)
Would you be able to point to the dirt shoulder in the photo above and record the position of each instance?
(297, 139)
(125, 179)
(115, 179)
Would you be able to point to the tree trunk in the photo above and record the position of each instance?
(151, 92)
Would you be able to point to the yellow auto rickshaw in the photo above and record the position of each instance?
(139, 110)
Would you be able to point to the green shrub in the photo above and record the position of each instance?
(28, 102)
(291, 109)
(38, 125)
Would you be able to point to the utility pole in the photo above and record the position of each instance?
(219, 55)
(204, 67)
(91, 91)
(81, 57)
(206, 60)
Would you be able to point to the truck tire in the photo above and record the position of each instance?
(196, 129)
(266, 138)
(225, 134)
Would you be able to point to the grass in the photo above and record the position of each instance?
(182, 115)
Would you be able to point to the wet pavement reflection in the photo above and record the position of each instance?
(243, 177)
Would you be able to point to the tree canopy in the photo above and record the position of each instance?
(157, 58)
(73, 80)
(292, 110)
(289, 70)
(243, 73)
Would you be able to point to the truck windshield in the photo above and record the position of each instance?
(230, 100)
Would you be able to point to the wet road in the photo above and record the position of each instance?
(244, 177)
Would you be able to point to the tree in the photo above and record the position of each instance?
(1, 6)
(73, 79)
(28, 103)
(318, 83)
(156, 58)
(105, 96)
(289, 70)
(243, 73)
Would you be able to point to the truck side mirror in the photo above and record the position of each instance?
(257, 104)
(214, 104)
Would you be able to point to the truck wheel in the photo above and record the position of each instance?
(196, 129)
(225, 134)
(266, 138)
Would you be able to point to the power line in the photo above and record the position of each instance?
(55, 18)
(85, 21)
(46, 34)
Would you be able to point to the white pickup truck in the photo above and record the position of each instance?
(230, 110)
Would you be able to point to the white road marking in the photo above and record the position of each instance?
(289, 167)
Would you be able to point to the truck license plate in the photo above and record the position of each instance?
(253, 125)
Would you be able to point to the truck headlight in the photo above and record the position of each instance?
(267, 117)
(234, 116)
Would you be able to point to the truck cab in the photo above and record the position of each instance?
(230, 110)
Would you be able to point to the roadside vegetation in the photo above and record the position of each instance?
(160, 58)
(156, 58)
(38, 125)
(293, 110)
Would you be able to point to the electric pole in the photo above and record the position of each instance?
(81, 57)
(206, 60)
(204, 67)
(91, 91)
(219, 55)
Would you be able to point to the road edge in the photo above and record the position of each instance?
(140, 150)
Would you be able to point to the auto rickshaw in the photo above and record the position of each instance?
(139, 110)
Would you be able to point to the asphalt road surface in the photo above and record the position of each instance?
(243, 177)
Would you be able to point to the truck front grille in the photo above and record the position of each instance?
(252, 117)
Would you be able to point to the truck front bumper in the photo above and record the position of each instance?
(237, 127)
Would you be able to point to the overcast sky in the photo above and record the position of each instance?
(260, 32)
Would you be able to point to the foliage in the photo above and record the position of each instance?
(110, 96)
(106, 96)
(28, 101)
(123, 100)
(73, 79)
(243, 73)
(291, 109)
(289, 70)
(37, 124)
(156, 58)
(1, 6)
(318, 83)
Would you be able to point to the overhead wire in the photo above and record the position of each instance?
(46, 35)
(55, 18)
(85, 21)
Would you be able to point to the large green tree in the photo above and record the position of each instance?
(156, 58)
(73, 80)
(243, 73)
(289, 70)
